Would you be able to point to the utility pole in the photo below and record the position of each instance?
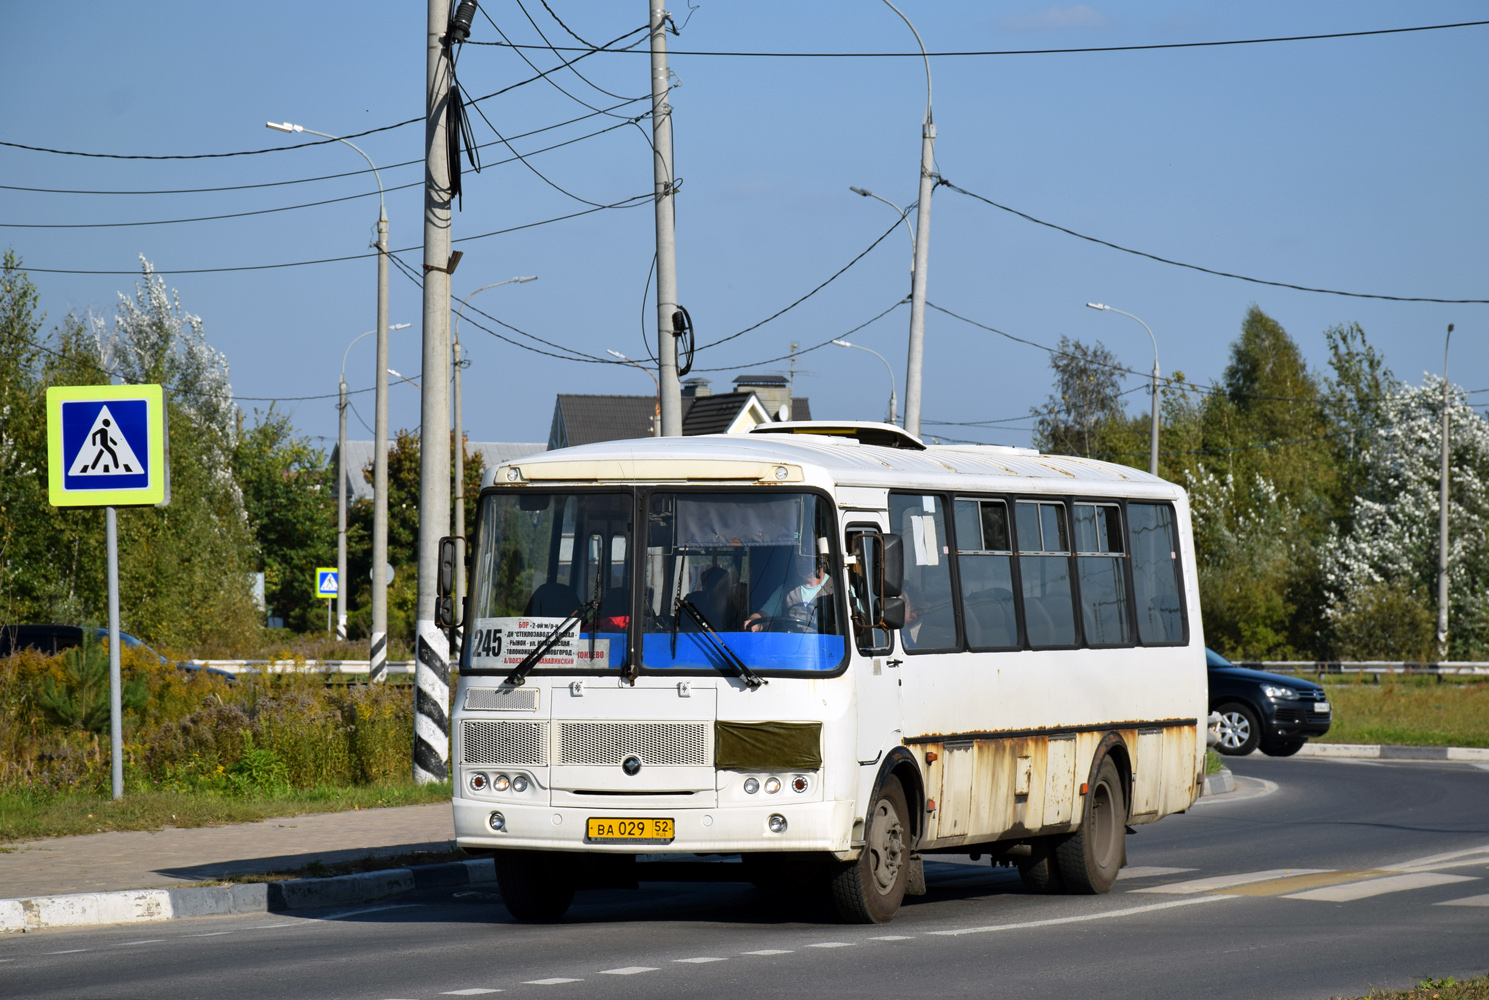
(341, 586)
(666, 191)
(432, 658)
(1442, 515)
(922, 245)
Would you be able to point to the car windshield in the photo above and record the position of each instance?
(540, 558)
(755, 567)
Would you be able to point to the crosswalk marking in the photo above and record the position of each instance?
(474, 991)
(1149, 871)
(770, 951)
(1228, 881)
(629, 970)
(1379, 887)
(832, 944)
(1467, 901)
(550, 982)
(700, 961)
(1298, 883)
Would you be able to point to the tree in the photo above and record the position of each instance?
(1087, 395)
(291, 504)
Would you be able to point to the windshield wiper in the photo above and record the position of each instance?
(563, 628)
(751, 679)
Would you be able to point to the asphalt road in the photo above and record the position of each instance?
(1317, 879)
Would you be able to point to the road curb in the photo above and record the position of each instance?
(84, 909)
(1220, 782)
(1376, 751)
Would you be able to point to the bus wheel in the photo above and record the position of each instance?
(1090, 858)
(536, 886)
(1039, 871)
(869, 890)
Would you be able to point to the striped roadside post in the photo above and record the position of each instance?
(431, 695)
(378, 660)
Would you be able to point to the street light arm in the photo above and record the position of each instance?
(904, 216)
(1107, 308)
(922, 56)
(348, 351)
(892, 392)
(461, 311)
(288, 127)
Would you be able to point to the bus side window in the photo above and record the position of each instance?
(1103, 584)
(985, 564)
(1044, 570)
(930, 618)
(1155, 573)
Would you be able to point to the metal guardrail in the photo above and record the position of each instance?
(300, 666)
(1445, 668)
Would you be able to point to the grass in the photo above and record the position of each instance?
(1436, 989)
(1214, 763)
(33, 814)
(1409, 711)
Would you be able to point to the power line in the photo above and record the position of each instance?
(1205, 270)
(290, 208)
(1038, 52)
(814, 347)
(325, 177)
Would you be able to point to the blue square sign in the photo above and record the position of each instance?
(104, 444)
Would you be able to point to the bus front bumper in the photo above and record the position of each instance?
(810, 826)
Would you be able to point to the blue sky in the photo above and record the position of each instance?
(1351, 164)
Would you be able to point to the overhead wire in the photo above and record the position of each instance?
(1059, 51)
(539, 30)
(1204, 270)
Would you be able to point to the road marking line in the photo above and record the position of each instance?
(629, 970)
(128, 944)
(769, 951)
(832, 944)
(894, 937)
(1438, 859)
(699, 961)
(366, 909)
(212, 934)
(1130, 911)
(1467, 901)
(1379, 887)
(1228, 881)
(1149, 871)
(473, 991)
(550, 982)
(69, 951)
(1283, 886)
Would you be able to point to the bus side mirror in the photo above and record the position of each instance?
(894, 566)
(444, 602)
(892, 612)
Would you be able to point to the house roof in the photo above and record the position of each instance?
(580, 420)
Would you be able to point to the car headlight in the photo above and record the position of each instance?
(1273, 691)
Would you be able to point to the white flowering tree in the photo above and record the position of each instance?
(1381, 577)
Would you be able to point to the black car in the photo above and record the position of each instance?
(53, 639)
(1256, 708)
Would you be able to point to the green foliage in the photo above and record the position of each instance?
(291, 504)
(1387, 621)
(81, 699)
(1082, 414)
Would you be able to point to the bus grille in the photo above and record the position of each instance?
(502, 699)
(494, 742)
(667, 744)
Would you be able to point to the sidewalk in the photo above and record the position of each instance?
(171, 858)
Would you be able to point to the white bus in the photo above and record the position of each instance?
(829, 649)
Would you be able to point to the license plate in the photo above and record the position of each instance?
(632, 830)
(1321, 707)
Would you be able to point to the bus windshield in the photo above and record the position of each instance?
(755, 567)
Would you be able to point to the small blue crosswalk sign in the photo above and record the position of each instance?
(326, 583)
(106, 446)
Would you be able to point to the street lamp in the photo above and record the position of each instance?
(860, 347)
(378, 643)
(341, 584)
(922, 245)
(656, 419)
(1153, 440)
(1442, 515)
(459, 499)
(904, 217)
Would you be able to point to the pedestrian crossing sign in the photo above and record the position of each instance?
(107, 447)
(326, 582)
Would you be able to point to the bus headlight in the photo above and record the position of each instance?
(501, 783)
(751, 786)
(519, 783)
(777, 823)
(799, 783)
(498, 822)
(478, 782)
(772, 785)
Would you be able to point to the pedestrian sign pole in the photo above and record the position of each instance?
(327, 586)
(108, 446)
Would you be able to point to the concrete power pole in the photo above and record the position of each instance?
(666, 191)
(341, 587)
(432, 658)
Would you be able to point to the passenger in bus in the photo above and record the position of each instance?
(928, 623)
(553, 600)
(712, 599)
(799, 607)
